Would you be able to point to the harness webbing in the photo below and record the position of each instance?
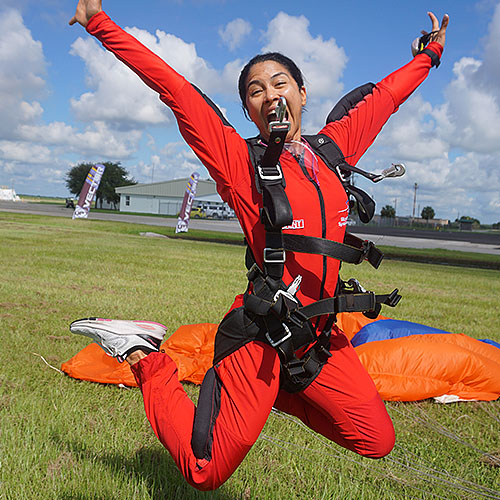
(287, 322)
(353, 250)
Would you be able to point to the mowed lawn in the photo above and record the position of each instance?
(66, 439)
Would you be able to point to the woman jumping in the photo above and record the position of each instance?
(278, 345)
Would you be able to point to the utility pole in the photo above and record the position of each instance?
(415, 187)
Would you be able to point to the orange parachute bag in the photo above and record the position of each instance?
(427, 366)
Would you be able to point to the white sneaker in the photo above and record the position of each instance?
(119, 338)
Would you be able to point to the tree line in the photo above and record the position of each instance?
(114, 176)
(390, 212)
(428, 213)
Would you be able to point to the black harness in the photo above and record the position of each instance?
(271, 312)
(287, 324)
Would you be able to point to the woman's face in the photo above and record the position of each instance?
(268, 81)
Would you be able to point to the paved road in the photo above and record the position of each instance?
(462, 241)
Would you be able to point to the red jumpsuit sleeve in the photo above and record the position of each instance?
(355, 132)
(218, 146)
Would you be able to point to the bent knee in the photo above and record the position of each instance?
(205, 482)
(380, 443)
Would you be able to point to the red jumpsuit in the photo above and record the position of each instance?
(342, 402)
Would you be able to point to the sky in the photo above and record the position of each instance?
(64, 100)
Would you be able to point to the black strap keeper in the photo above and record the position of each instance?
(295, 367)
(436, 61)
(352, 302)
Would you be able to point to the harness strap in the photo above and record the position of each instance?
(351, 302)
(272, 153)
(296, 373)
(371, 253)
(334, 159)
(353, 250)
(365, 203)
(276, 211)
(281, 311)
(274, 254)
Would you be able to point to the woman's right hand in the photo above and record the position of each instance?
(85, 10)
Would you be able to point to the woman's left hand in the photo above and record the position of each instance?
(438, 33)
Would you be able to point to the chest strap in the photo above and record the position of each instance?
(353, 251)
(263, 301)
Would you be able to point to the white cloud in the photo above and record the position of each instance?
(234, 32)
(490, 74)
(184, 58)
(17, 151)
(470, 117)
(120, 98)
(22, 68)
(321, 61)
(411, 133)
(28, 146)
(175, 160)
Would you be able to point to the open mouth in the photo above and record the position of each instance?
(273, 117)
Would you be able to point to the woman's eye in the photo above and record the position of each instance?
(255, 92)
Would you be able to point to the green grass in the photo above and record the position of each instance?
(50, 200)
(65, 439)
(443, 256)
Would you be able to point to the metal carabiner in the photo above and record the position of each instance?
(281, 109)
(280, 123)
(395, 170)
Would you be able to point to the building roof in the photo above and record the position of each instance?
(172, 188)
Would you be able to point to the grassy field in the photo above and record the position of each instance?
(70, 440)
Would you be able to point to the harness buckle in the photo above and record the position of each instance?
(393, 298)
(286, 294)
(344, 177)
(286, 336)
(367, 253)
(279, 127)
(356, 285)
(295, 367)
(274, 255)
(266, 176)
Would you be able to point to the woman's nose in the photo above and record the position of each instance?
(271, 94)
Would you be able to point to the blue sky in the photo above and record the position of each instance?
(64, 101)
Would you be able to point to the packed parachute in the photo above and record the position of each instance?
(407, 361)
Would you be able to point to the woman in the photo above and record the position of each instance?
(208, 442)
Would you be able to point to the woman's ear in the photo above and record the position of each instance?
(303, 94)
